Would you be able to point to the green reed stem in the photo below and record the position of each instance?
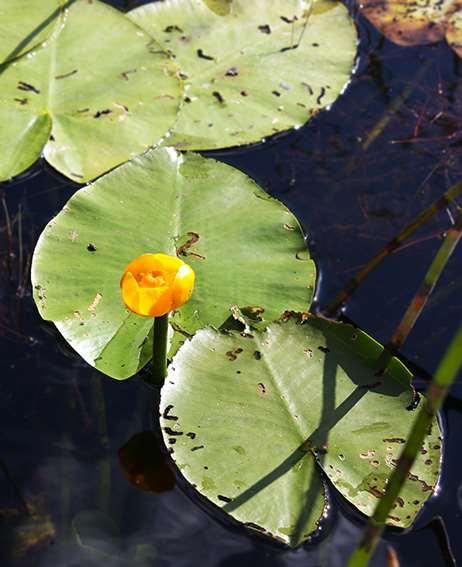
(432, 276)
(159, 350)
(390, 247)
(436, 394)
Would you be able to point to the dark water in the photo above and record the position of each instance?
(64, 499)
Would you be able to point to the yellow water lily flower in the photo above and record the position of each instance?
(154, 284)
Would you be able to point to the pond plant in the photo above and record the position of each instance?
(177, 260)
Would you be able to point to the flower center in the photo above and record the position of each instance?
(151, 279)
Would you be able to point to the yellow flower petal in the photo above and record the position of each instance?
(183, 286)
(154, 284)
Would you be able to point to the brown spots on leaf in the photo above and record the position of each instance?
(232, 72)
(203, 55)
(22, 86)
(265, 28)
(425, 486)
(191, 435)
(233, 354)
(173, 28)
(167, 415)
(224, 498)
(321, 95)
(375, 491)
(276, 93)
(219, 97)
(22, 101)
(197, 447)
(257, 355)
(66, 75)
(394, 440)
(91, 247)
(100, 113)
(125, 74)
(244, 93)
(172, 432)
(185, 249)
(261, 389)
(308, 352)
(324, 349)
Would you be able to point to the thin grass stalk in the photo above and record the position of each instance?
(436, 394)
(432, 276)
(447, 198)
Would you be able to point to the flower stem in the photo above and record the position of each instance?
(159, 350)
(437, 392)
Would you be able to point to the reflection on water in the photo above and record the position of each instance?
(65, 501)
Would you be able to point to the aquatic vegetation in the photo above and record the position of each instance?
(407, 22)
(245, 248)
(295, 57)
(182, 261)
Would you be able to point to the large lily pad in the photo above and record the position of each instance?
(245, 247)
(251, 69)
(87, 109)
(248, 417)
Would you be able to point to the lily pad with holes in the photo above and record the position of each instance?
(85, 108)
(251, 69)
(251, 420)
(246, 249)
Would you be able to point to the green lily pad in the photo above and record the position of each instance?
(25, 24)
(252, 419)
(85, 108)
(251, 69)
(242, 244)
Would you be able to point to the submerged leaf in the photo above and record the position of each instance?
(416, 22)
(255, 413)
(87, 109)
(219, 221)
(260, 69)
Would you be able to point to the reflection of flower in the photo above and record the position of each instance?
(154, 284)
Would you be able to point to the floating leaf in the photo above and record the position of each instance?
(416, 22)
(241, 243)
(86, 108)
(262, 68)
(25, 24)
(253, 414)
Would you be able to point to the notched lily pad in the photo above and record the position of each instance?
(251, 69)
(208, 213)
(259, 415)
(71, 98)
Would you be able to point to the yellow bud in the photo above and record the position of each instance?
(154, 284)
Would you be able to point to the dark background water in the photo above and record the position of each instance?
(64, 500)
